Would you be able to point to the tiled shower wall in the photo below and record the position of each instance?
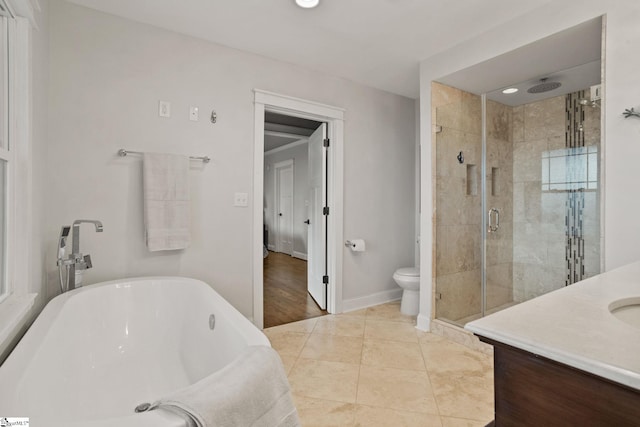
(527, 256)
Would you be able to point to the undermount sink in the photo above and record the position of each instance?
(627, 310)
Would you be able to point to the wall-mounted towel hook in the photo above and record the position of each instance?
(214, 116)
(460, 157)
(630, 112)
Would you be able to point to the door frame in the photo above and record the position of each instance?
(286, 164)
(334, 116)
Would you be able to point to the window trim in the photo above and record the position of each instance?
(7, 154)
(18, 157)
(18, 303)
(20, 119)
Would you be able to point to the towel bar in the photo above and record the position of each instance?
(122, 153)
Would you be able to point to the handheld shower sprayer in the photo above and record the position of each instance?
(588, 103)
(62, 244)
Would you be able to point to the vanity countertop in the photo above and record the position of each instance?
(574, 326)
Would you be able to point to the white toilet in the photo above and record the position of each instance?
(408, 279)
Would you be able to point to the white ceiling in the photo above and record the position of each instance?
(570, 57)
(378, 43)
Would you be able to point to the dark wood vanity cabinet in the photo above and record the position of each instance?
(531, 390)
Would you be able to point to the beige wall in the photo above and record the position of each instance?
(107, 76)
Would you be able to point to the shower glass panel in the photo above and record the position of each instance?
(556, 194)
(499, 201)
(519, 216)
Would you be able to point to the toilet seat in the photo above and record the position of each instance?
(408, 272)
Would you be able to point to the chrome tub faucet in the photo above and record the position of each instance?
(76, 261)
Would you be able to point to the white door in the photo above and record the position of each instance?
(284, 208)
(317, 229)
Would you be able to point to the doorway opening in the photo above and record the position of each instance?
(325, 277)
(294, 235)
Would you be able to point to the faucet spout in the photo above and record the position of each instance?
(96, 223)
(79, 261)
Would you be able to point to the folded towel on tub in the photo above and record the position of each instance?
(251, 391)
(166, 201)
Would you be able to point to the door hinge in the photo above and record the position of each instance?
(325, 279)
(325, 210)
(326, 142)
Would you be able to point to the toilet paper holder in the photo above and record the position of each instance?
(356, 245)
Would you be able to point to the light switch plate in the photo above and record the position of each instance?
(164, 109)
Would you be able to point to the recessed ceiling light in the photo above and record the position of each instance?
(307, 4)
(510, 90)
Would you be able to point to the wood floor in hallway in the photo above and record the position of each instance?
(286, 298)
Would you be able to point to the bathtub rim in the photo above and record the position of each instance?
(54, 307)
(23, 353)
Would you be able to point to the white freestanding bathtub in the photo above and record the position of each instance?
(97, 352)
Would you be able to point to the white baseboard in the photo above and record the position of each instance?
(371, 300)
(299, 255)
(423, 323)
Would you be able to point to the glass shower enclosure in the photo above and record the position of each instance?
(517, 197)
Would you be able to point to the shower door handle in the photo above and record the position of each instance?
(493, 228)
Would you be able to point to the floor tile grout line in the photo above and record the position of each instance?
(422, 342)
(405, 410)
(435, 398)
(359, 375)
(397, 342)
(304, 345)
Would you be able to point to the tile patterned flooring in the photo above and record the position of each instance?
(373, 368)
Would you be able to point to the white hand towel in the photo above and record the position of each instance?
(252, 391)
(166, 201)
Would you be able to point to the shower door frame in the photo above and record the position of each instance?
(485, 215)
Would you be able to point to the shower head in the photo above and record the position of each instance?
(587, 102)
(544, 86)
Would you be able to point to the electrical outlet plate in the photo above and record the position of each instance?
(193, 114)
(241, 200)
